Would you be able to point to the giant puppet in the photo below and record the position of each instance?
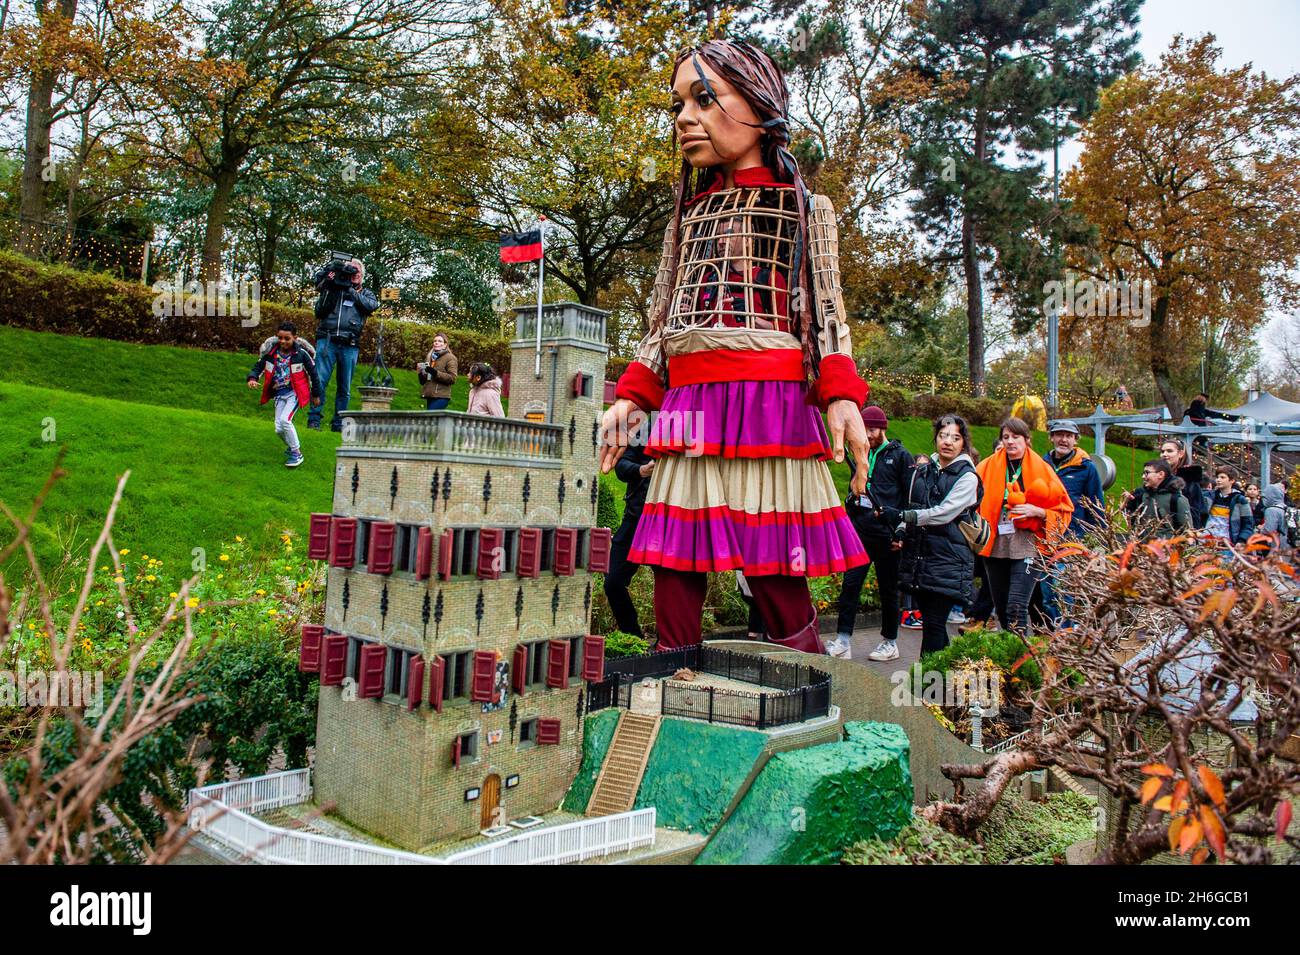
(747, 345)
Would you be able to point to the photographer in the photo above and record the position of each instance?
(341, 311)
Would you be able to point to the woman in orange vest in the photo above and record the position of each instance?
(1028, 509)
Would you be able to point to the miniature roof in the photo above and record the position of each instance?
(1182, 676)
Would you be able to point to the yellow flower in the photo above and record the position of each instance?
(272, 612)
(119, 580)
(261, 592)
(124, 551)
(30, 625)
(224, 557)
(100, 603)
(86, 645)
(192, 602)
(173, 595)
(144, 556)
(219, 576)
(151, 578)
(238, 539)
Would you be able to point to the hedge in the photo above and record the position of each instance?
(56, 298)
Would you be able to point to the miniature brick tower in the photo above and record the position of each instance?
(454, 655)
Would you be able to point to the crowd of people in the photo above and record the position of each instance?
(934, 524)
(293, 373)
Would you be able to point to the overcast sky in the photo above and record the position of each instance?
(1265, 33)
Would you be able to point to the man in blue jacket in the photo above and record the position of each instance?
(1082, 482)
(341, 310)
(1079, 475)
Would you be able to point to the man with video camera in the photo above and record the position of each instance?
(341, 311)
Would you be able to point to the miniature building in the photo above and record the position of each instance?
(454, 655)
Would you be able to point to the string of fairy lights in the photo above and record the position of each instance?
(918, 382)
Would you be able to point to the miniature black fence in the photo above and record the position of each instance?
(802, 692)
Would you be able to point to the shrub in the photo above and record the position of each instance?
(1036, 833)
(1005, 649)
(56, 298)
(620, 644)
(893, 401)
(920, 843)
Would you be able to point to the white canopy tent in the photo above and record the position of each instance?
(1269, 409)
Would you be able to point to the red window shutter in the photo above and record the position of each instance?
(593, 658)
(489, 540)
(557, 664)
(382, 537)
(519, 669)
(309, 654)
(414, 682)
(334, 657)
(343, 541)
(548, 732)
(437, 676)
(530, 551)
(424, 553)
(598, 550)
(318, 538)
(371, 684)
(445, 544)
(566, 542)
(577, 384)
(485, 676)
(455, 752)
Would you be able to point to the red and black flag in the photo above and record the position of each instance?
(521, 246)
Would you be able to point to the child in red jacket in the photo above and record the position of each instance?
(288, 375)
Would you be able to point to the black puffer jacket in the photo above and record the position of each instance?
(936, 558)
(889, 480)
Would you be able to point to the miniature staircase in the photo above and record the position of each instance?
(1070, 782)
(620, 775)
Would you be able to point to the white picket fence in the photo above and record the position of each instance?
(223, 813)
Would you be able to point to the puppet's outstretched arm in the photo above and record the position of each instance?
(838, 376)
(646, 376)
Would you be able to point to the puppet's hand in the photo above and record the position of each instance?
(845, 422)
(614, 431)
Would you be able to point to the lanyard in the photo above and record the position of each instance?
(1010, 480)
(871, 463)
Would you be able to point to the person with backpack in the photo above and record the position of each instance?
(288, 374)
(1158, 509)
(889, 466)
(1173, 452)
(1274, 523)
(938, 564)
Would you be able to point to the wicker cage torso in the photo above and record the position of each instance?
(735, 263)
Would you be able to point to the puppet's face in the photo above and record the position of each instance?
(713, 132)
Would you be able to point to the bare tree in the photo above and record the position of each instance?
(1174, 690)
(60, 813)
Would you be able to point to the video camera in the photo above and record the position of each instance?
(339, 271)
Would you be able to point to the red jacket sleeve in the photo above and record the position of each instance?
(838, 379)
(642, 386)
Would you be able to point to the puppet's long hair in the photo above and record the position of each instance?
(757, 78)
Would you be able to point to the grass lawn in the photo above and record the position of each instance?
(205, 462)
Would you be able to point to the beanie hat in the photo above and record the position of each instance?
(874, 417)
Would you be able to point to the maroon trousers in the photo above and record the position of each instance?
(783, 601)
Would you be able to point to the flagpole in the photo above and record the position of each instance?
(541, 270)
